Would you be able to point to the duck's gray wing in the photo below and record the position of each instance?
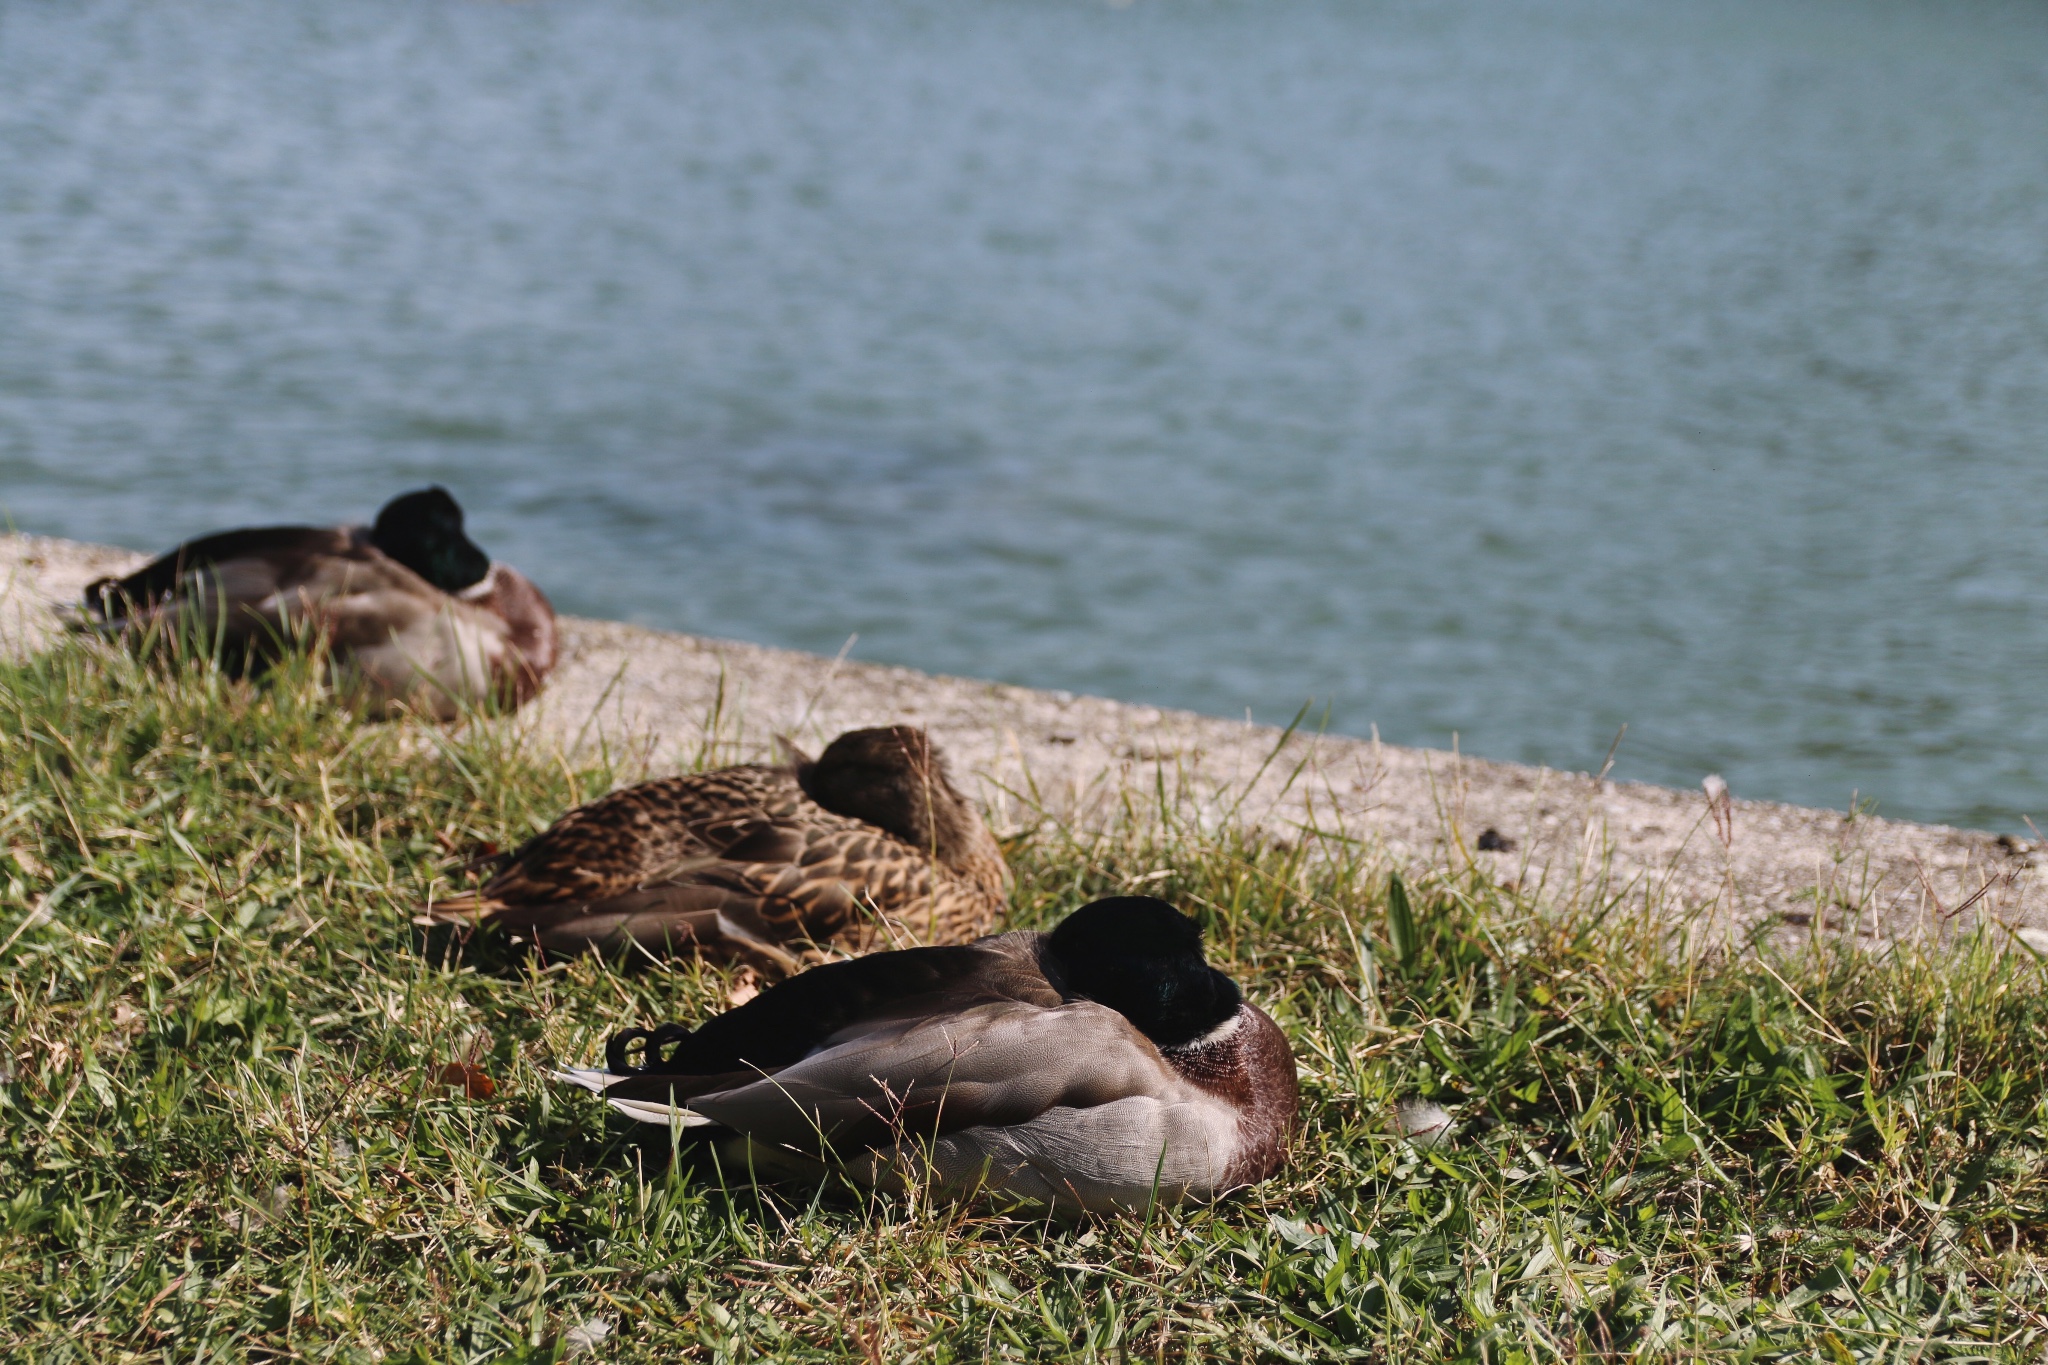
(260, 560)
(254, 585)
(997, 1064)
(814, 1012)
(832, 1004)
(1070, 1107)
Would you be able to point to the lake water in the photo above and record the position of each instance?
(1506, 371)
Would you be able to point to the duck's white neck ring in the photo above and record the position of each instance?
(482, 588)
(1223, 1032)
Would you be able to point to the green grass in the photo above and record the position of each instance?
(223, 1136)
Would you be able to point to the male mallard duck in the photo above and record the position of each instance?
(413, 611)
(742, 862)
(1094, 1067)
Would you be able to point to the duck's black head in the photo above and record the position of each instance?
(423, 531)
(1143, 959)
(894, 779)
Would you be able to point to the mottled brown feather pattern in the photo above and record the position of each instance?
(742, 860)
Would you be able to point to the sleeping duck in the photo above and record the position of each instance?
(869, 841)
(1095, 1067)
(413, 612)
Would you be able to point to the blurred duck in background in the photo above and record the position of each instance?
(413, 613)
(1101, 1066)
(766, 865)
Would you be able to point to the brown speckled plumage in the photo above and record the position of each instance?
(869, 846)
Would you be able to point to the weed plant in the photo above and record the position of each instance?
(250, 1111)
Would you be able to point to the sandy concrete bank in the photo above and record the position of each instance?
(668, 699)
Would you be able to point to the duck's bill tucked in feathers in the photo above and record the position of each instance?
(966, 1070)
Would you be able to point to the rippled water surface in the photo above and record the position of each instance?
(1507, 371)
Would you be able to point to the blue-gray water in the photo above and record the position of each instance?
(1506, 370)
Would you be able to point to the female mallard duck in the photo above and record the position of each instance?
(752, 862)
(412, 610)
(1099, 1066)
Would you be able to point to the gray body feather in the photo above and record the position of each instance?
(395, 638)
(1060, 1101)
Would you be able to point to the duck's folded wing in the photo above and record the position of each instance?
(642, 835)
(261, 560)
(846, 879)
(792, 882)
(664, 920)
(721, 912)
(258, 585)
(997, 1064)
(776, 883)
(837, 1003)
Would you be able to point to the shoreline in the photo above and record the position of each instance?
(664, 699)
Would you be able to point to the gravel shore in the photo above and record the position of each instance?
(663, 699)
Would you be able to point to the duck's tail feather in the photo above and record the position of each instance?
(591, 1078)
(646, 1111)
(667, 1115)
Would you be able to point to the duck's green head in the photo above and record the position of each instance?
(423, 531)
(1143, 959)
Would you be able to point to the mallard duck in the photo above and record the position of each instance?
(1099, 1066)
(754, 862)
(413, 612)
